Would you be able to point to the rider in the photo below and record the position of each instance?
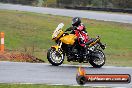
(80, 31)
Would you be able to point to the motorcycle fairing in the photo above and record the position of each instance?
(68, 39)
(57, 34)
(56, 47)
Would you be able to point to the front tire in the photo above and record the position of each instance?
(99, 61)
(54, 57)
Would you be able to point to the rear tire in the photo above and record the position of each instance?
(102, 60)
(54, 57)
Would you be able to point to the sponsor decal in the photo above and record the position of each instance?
(83, 78)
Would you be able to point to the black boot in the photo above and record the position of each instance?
(84, 51)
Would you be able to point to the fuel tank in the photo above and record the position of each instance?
(69, 39)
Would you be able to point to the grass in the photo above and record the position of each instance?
(31, 32)
(37, 86)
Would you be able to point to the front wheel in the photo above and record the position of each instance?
(55, 57)
(98, 60)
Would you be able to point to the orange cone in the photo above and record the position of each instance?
(2, 42)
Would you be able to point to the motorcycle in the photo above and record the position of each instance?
(66, 45)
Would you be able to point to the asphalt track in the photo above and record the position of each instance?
(43, 73)
(116, 17)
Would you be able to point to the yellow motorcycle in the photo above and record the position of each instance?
(67, 45)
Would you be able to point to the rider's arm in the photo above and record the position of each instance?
(70, 29)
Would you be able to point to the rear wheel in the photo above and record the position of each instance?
(98, 60)
(55, 57)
